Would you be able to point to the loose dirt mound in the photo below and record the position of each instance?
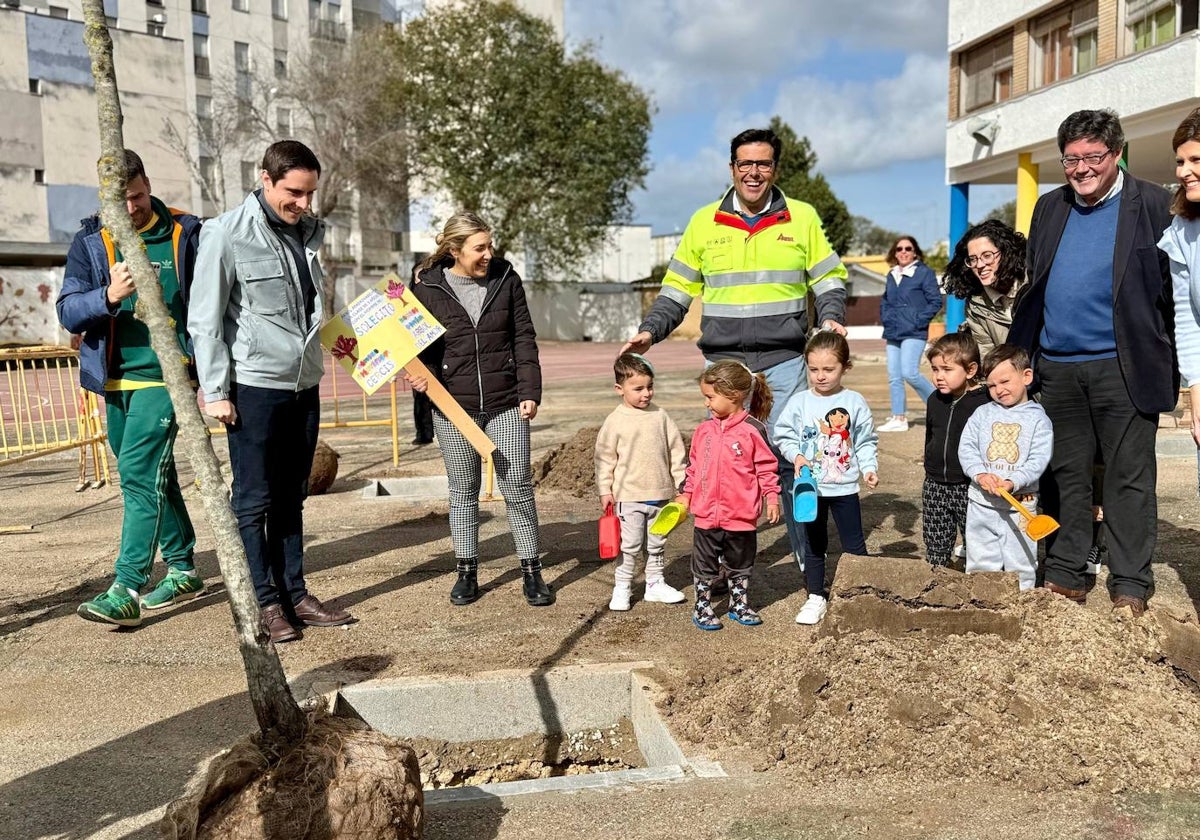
(1081, 698)
(344, 781)
(570, 467)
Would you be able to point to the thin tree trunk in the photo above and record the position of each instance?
(279, 717)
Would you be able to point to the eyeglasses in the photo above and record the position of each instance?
(761, 165)
(900, 248)
(986, 258)
(1094, 159)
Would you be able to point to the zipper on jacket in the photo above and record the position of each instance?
(475, 327)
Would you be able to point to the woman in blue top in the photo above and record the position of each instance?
(911, 298)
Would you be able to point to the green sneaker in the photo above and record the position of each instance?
(115, 606)
(177, 586)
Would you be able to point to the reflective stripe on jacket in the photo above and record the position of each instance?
(753, 281)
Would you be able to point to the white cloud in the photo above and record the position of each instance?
(861, 125)
(690, 51)
(676, 188)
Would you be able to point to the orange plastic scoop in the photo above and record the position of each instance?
(1037, 525)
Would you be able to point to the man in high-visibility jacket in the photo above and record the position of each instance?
(752, 259)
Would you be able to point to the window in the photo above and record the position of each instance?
(35, 87)
(279, 9)
(241, 5)
(1149, 23)
(156, 25)
(314, 9)
(200, 7)
(200, 50)
(204, 117)
(59, 12)
(1064, 43)
(987, 73)
(158, 3)
(249, 176)
(241, 57)
(283, 122)
(39, 176)
(281, 64)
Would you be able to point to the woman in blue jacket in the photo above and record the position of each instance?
(911, 298)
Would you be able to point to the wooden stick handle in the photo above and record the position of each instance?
(454, 412)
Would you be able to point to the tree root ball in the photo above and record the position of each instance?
(324, 469)
(344, 781)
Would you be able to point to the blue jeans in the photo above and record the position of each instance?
(271, 452)
(785, 379)
(903, 365)
(847, 516)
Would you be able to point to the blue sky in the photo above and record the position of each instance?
(864, 80)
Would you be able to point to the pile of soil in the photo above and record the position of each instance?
(445, 764)
(571, 466)
(1081, 698)
(343, 781)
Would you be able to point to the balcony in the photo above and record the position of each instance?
(327, 30)
(1151, 91)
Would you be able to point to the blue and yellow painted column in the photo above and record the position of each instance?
(1027, 190)
(959, 220)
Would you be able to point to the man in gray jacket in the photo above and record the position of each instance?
(254, 315)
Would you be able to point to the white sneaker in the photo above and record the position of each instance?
(661, 592)
(620, 598)
(894, 424)
(813, 610)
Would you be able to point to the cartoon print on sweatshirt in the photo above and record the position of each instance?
(1004, 442)
(836, 444)
(827, 446)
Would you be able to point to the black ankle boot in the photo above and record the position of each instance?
(537, 592)
(466, 588)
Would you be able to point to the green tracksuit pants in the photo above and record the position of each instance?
(141, 431)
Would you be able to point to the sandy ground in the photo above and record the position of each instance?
(100, 727)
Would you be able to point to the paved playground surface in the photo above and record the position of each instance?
(100, 727)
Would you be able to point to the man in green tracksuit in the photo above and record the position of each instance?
(116, 360)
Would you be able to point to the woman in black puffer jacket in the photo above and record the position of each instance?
(488, 361)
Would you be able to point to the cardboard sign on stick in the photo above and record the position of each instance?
(380, 334)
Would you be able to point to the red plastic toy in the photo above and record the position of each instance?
(610, 534)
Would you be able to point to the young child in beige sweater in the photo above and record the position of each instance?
(640, 464)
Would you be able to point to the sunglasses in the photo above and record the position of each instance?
(903, 248)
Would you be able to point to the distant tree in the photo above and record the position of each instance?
(1006, 212)
(936, 257)
(798, 178)
(869, 238)
(546, 146)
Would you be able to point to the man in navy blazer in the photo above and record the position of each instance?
(1098, 318)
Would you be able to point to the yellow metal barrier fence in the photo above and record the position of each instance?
(43, 411)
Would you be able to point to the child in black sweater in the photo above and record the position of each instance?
(955, 362)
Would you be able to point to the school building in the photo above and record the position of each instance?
(1018, 68)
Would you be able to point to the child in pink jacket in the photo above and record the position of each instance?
(732, 468)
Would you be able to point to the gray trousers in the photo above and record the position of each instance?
(635, 520)
(996, 541)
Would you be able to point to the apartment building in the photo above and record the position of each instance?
(1018, 68)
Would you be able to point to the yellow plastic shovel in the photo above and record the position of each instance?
(1037, 526)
